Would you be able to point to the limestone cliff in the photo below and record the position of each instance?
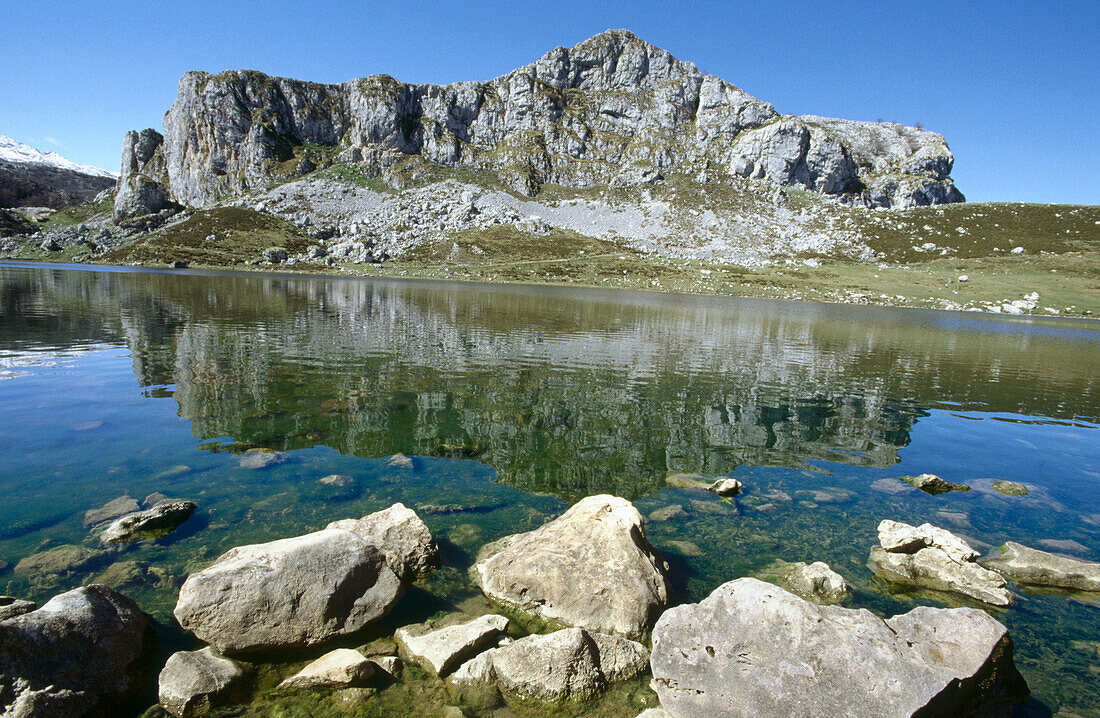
(611, 110)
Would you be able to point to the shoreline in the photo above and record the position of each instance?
(929, 289)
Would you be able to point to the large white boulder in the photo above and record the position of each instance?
(591, 567)
(288, 593)
(752, 649)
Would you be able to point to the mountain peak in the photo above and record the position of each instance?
(12, 150)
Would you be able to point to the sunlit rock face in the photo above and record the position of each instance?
(612, 110)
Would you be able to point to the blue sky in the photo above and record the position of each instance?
(1011, 85)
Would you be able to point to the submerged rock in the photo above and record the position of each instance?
(160, 520)
(113, 509)
(932, 484)
(667, 513)
(10, 607)
(292, 592)
(337, 480)
(399, 461)
(567, 665)
(1039, 568)
(689, 481)
(342, 668)
(402, 537)
(135, 574)
(1010, 488)
(261, 459)
(82, 653)
(442, 650)
(753, 649)
(591, 567)
(930, 557)
(192, 682)
(60, 563)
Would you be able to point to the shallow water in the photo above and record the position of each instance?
(516, 401)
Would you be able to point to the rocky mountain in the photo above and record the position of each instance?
(29, 178)
(612, 110)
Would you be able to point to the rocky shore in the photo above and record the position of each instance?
(583, 604)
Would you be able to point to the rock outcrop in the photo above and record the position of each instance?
(591, 567)
(192, 682)
(82, 653)
(289, 593)
(611, 110)
(930, 557)
(1039, 568)
(753, 649)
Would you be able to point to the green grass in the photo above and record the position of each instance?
(220, 236)
(78, 214)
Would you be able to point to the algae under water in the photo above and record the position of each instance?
(515, 401)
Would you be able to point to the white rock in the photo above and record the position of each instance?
(341, 668)
(591, 567)
(442, 650)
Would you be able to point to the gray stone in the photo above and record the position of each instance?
(82, 653)
(160, 520)
(930, 557)
(341, 668)
(113, 509)
(275, 255)
(725, 487)
(401, 536)
(1039, 568)
(389, 665)
(289, 593)
(192, 682)
(442, 650)
(591, 567)
(10, 607)
(816, 582)
(899, 537)
(571, 664)
(753, 649)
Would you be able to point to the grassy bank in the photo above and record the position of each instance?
(975, 256)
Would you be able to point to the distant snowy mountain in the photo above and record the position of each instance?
(15, 151)
(29, 178)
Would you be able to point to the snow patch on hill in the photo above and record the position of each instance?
(20, 153)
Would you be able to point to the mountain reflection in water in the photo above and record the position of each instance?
(569, 392)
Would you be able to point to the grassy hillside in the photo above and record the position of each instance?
(216, 237)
